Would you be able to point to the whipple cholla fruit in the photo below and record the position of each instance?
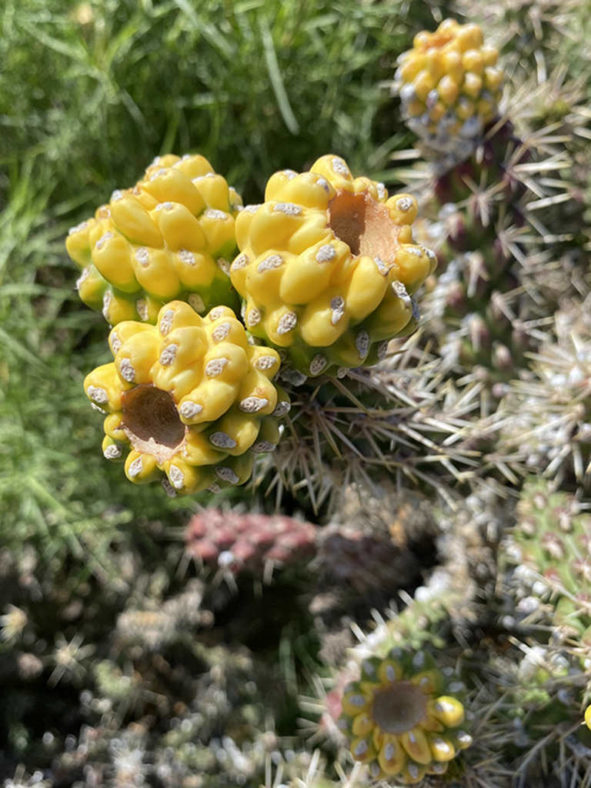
(402, 717)
(328, 266)
(170, 236)
(190, 398)
(248, 542)
(449, 87)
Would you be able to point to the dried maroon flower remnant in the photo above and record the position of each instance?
(248, 542)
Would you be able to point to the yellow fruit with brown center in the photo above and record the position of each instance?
(170, 236)
(327, 266)
(188, 399)
(402, 717)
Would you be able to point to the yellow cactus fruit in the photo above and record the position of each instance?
(449, 87)
(170, 236)
(402, 717)
(327, 267)
(188, 400)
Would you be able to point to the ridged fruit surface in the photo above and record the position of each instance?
(402, 717)
(189, 398)
(170, 236)
(449, 86)
(249, 541)
(328, 266)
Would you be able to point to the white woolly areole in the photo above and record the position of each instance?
(261, 447)
(126, 370)
(112, 452)
(340, 167)
(326, 253)
(221, 332)
(287, 208)
(168, 355)
(214, 213)
(186, 257)
(142, 255)
(215, 367)
(404, 204)
(337, 305)
(269, 263)
(318, 364)
(216, 313)
(177, 477)
(115, 342)
(196, 302)
(98, 394)
(78, 228)
(266, 362)
(135, 468)
(253, 318)
(282, 408)
(103, 240)
(189, 409)
(222, 440)
(362, 344)
(141, 306)
(227, 475)
(166, 322)
(240, 262)
(287, 323)
(253, 404)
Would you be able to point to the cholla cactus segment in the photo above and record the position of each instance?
(551, 544)
(449, 86)
(249, 542)
(189, 398)
(170, 236)
(327, 266)
(402, 717)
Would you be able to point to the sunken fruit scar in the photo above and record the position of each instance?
(327, 267)
(402, 717)
(188, 400)
(170, 236)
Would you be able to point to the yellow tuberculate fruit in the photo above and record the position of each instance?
(450, 86)
(188, 399)
(327, 267)
(403, 717)
(170, 236)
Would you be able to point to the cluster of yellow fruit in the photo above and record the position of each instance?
(325, 269)
(328, 266)
(402, 717)
(449, 85)
(170, 236)
(189, 396)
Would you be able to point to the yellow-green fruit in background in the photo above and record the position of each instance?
(450, 86)
(188, 400)
(170, 236)
(327, 266)
(403, 717)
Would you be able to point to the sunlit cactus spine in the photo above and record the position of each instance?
(189, 401)
(248, 542)
(170, 236)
